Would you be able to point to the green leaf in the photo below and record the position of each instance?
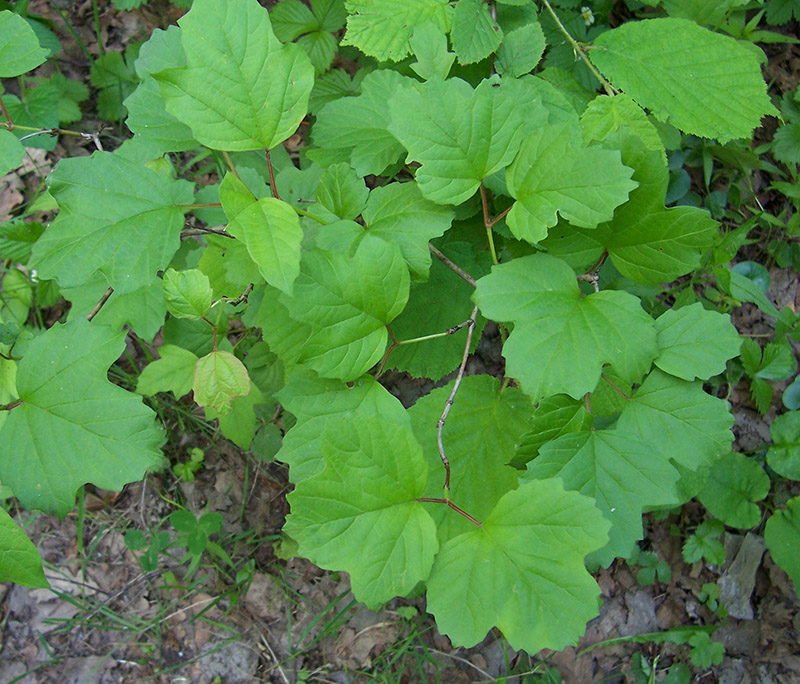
(430, 48)
(678, 420)
(107, 204)
(240, 89)
(359, 125)
(647, 242)
(458, 134)
(20, 561)
(705, 543)
(291, 19)
(374, 472)
(320, 46)
(479, 437)
(239, 425)
(172, 372)
(522, 571)
(19, 47)
(382, 28)
(623, 474)
(149, 118)
(336, 84)
(115, 77)
(782, 535)
(784, 454)
(561, 338)
(105, 435)
(347, 301)
(319, 402)
(475, 34)
(268, 227)
(398, 213)
(554, 174)
(425, 315)
(17, 239)
(188, 293)
(11, 152)
(606, 115)
(342, 192)
(520, 51)
(734, 484)
(555, 416)
(219, 377)
(778, 361)
(705, 83)
(37, 109)
(695, 343)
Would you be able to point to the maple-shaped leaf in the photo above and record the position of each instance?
(475, 34)
(679, 420)
(555, 174)
(429, 45)
(398, 213)
(706, 83)
(358, 125)
(106, 204)
(347, 300)
(460, 135)
(521, 571)
(219, 377)
(647, 242)
(382, 28)
(621, 473)
(371, 524)
(479, 437)
(268, 227)
(20, 561)
(561, 338)
(73, 426)
(694, 342)
(239, 89)
(318, 401)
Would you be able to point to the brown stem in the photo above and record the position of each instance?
(272, 176)
(10, 124)
(455, 268)
(440, 423)
(615, 388)
(242, 297)
(228, 161)
(12, 405)
(500, 216)
(202, 230)
(450, 504)
(99, 305)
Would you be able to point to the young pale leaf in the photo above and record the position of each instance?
(554, 174)
(522, 571)
(342, 192)
(480, 434)
(382, 28)
(398, 213)
(784, 454)
(188, 293)
(219, 377)
(239, 424)
(172, 372)
(240, 89)
(19, 47)
(622, 474)
(359, 125)
(107, 204)
(11, 151)
(268, 227)
(605, 115)
(782, 535)
(347, 301)
(695, 343)
(371, 524)
(73, 425)
(458, 134)
(679, 420)
(705, 83)
(317, 402)
(475, 34)
(430, 48)
(734, 484)
(20, 561)
(561, 338)
(647, 242)
(520, 51)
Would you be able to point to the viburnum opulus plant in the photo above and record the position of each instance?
(447, 179)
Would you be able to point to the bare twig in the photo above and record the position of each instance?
(590, 278)
(275, 659)
(440, 423)
(100, 304)
(455, 268)
(242, 297)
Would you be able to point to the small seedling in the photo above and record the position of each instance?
(187, 469)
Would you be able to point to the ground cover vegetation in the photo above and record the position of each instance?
(294, 207)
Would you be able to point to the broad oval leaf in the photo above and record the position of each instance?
(219, 377)
(734, 485)
(19, 47)
(188, 293)
(73, 425)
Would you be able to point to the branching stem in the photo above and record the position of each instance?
(455, 268)
(450, 504)
(488, 223)
(12, 405)
(579, 50)
(470, 323)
